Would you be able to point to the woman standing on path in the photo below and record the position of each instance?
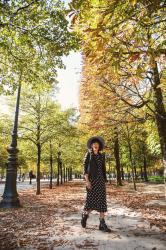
(95, 177)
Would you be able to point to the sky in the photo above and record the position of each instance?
(69, 81)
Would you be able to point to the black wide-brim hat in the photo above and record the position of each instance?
(98, 139)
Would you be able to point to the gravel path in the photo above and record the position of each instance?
(129, 230)
(51, 221)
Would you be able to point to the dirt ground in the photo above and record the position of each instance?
(52, 220)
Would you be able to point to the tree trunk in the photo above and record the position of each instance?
(127, 173)
(135, 170)
(58, 173)
(71, 173)
(51, 169)
(109, 162)
(145, 169)
(132, 168)
(38, 167)
(61, 173)
(122, 172)
(117, 158)
(160, 114)
(142, 175)
(64, 174)
(68, 174)
(131, 157)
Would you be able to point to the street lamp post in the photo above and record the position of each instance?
(10, 195)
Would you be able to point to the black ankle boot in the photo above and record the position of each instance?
(84, 219)
(103, 226)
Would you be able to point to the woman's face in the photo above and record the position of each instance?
(95, 146)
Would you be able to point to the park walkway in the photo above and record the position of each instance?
(22, 185)
(52, 221)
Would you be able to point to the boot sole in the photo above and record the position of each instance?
(105, 231)
(83, 226)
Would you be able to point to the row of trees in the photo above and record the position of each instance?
(123, 85)
(33, 38)
(44, 131)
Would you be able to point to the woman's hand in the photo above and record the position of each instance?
(88, 185)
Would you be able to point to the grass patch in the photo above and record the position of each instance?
(158, 179)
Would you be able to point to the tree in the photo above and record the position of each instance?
(101, 113)
(43, 121)
(126, 39)
(33, 38)
(38, 122)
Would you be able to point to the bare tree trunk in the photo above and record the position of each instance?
(135, 170)
(131, 157)
(71, 173)
(38, 149)
(109, 162)
(132, 168)
(61, 173)
(38, 167)
(142, 175)
(145, 169)
(58, 173)
(117, 158)
(67, 174)
(122, 172)
(51, 168)
(127, 173)
(64, 173)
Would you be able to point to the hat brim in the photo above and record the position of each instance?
(96, 138)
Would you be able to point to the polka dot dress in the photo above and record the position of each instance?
(96, 197)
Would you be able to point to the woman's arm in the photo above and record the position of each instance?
(85, 172)
(86, 163)
(88, 184)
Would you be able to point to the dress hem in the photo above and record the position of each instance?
(98, 210)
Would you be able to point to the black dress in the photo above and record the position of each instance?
(96, 197)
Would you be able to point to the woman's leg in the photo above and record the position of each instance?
(85, 215)
(87, 211)
(103, 226)
(102, 215)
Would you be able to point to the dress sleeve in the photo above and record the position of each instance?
(85, 163)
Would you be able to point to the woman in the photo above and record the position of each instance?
(95, 177)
